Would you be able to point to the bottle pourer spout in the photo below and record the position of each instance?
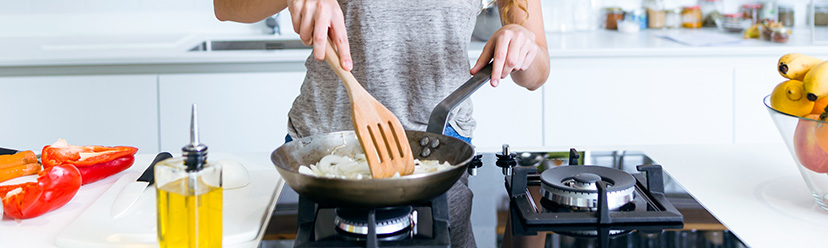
(195, 152)
(194, 126)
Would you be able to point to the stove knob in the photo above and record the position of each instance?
(506, 160)
(477, 162)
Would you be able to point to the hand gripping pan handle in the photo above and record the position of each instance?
(439, 116)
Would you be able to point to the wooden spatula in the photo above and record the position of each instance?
(380, 133)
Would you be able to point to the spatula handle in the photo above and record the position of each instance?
(333, 60)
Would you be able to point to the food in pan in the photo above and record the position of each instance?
(344, 167)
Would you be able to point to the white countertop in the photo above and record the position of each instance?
(173, 48)
(43, 231)
(755, 190)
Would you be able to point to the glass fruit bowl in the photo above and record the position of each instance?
(807, 140)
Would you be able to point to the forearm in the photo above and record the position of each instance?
(534, 77)
(247, 11)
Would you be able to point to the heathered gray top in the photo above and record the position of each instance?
(408, 54)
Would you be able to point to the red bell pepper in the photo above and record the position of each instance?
(93, 162)
(54, 188)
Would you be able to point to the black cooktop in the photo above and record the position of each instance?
(655, 217)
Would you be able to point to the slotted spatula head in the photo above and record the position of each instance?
(380, 133)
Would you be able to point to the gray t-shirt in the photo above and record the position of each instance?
(407, 54)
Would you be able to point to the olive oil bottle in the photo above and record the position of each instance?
(189, 196)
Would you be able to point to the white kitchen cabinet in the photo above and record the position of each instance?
(638, 101)
(507, 114)
(238, 112)
(753, 81)
(84, 110)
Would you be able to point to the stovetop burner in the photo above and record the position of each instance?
(591, 201)
(388, 220)
(419, 225)
(577, 186)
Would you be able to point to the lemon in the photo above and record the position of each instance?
(789, 97)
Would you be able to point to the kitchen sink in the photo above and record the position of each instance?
(236, 45)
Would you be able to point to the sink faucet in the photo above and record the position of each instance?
(272, 23)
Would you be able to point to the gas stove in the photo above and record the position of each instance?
(560, 195)
(577, 204)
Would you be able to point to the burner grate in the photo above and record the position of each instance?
(652, 207)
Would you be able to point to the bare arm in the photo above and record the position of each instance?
(247, 11)
(518, 48)
(535, 76)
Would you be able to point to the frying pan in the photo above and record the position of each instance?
(382, 192)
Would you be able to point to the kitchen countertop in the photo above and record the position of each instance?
(753, 189)
(43, 231)
(173, 48)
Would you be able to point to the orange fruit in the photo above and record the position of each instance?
(819, 106)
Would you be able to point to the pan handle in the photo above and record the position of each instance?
(439, 116)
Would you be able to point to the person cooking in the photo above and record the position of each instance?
(409, 55)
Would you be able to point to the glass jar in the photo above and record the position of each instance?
(786, 15)
(711, 10)
(733, 23)
(820, 15)
(691, 17)
(672, 18)
(655, 13)
(751, 12)
(613, 15)
(768, 11)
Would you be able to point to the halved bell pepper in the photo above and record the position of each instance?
(93, 162)
(54, 188)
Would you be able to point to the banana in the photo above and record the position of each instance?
(752, 32)
(789, 97)
(796, 65)
(816, 82)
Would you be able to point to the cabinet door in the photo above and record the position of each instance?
(638, 101)
(238, 112)
(753, 81)
(84, 110)
(507, 114)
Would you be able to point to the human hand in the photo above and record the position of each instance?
(317, 20)
(511, 48)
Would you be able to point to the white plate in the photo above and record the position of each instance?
(246, 211)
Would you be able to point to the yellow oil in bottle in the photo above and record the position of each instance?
(189, 216)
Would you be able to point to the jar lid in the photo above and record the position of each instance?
(613, 9)
(752, 6)
(785, 7)
(733, 15)
(694, 7)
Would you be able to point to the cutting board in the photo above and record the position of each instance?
(246, 212)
